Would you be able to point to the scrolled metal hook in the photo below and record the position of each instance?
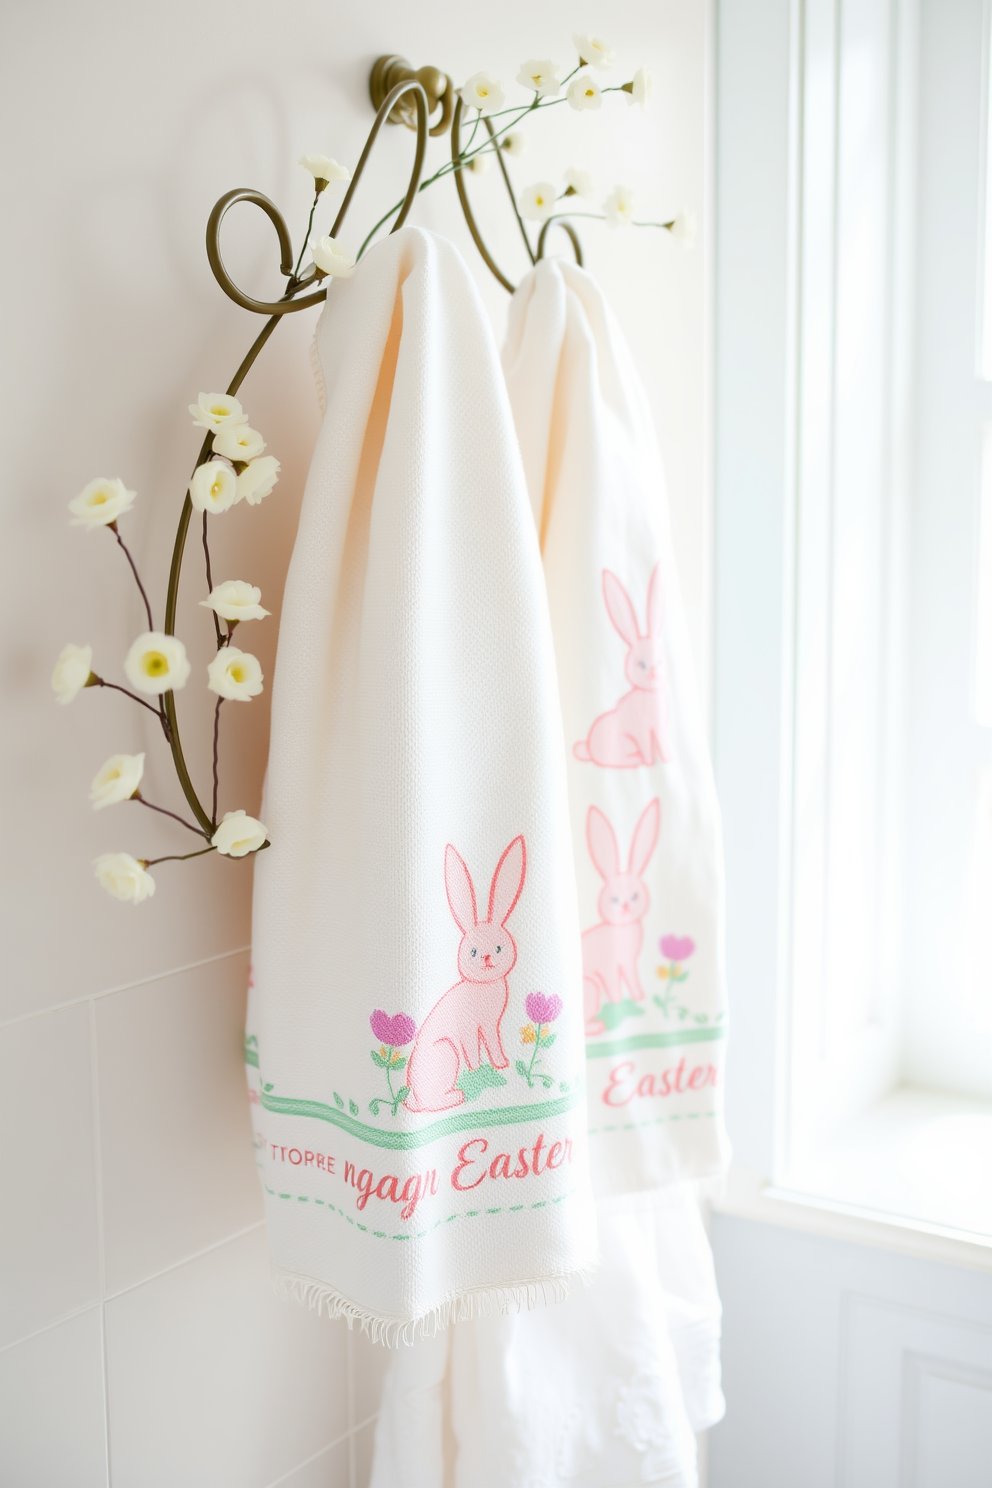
(566, 227)
(289, 304)
(459, 173)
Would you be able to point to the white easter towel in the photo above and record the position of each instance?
(415, 1038)
(645, 819)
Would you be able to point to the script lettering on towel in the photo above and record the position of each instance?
(626, 1083)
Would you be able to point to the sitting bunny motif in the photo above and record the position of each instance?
(465, 1022)
(610, 950)
(635, 732)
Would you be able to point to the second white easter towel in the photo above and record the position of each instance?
(423, 1158)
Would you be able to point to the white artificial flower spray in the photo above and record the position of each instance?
(258, 479)
(235, 675)
(479, 164)
(73, 671)
(117, 780)
(537, 202)
(100, 503)
(578, 183)
(584, 93)
(214, 410)
(484, 93)
(331, 259)
(594, 52)
(324, 170)
(157, 663)
(541, 76)
(514, 144)
(214, 487)
(683, 227)
(238, 442)
(124, 877)
(235, 600)
(619, 207)
(640, 87)
(238, 835)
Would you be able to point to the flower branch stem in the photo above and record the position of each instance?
(180, 819)
(134, 570)
(210, 581)
(294, 277)
(101, 682)
(178, 857)
(509, 187)
(213, 813)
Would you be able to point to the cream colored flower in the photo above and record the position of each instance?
(578, 182)
(479, 164)
(157, 663)
(238, 835)
(324, 170)
(619, 207)
(258, 479)
(332, 259)
(538, 201)
(683, 227)
(213, 410)
(117, 780)
(72, 673)
(235, 675)
(484, 93)
(594, 51)
(125, 877)
(640, 87)
(100, 503)
(214, 487)
(583, 93)
(541, 76)
(236, 600)
(238, 442)
(514, 143)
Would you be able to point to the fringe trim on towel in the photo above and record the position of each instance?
(393, 1332)
(318, 374)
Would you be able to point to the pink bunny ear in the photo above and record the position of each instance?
(508, 881)
(645, 837)
(602, 841)
(656, 603)
(619, 607)
(460, 890)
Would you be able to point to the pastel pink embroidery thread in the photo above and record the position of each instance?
(610, 950)
(635, 732)
(465, 1023)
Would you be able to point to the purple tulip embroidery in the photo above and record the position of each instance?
(677, 949)
(393, 1033)
(541, 1011)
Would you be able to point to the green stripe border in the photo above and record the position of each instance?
(657, 1041)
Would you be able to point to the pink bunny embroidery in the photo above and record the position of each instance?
(465, 1022)
(635, 732)
(610, 950)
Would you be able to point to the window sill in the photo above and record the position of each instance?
(913, 1175)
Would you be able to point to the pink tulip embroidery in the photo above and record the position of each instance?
(393, 1033)
(677, 949)
(635, 732)
(541, 1011)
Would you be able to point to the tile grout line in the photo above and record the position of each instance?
(100, 1236)
(347, 1436)
(89, 997)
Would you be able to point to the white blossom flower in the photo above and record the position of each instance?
(583, 93)
(125, 877)
(619, 207)
(324, 170)
(238, 835)
(236, 600)
(213, 410)
(683, 227)
(514, 143)
(483, 92)
(235, 675)
(238, 442)
(72, 673)
(214, 487)
(117, 781)
(258, 479)
(640, 87)
(541, 76)
(479, 164)
(332, 259)
(594, 51)
(157, 663)
(538, 201)
(100, 503)
(579, 182)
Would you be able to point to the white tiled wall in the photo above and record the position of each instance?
(140, 1341)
